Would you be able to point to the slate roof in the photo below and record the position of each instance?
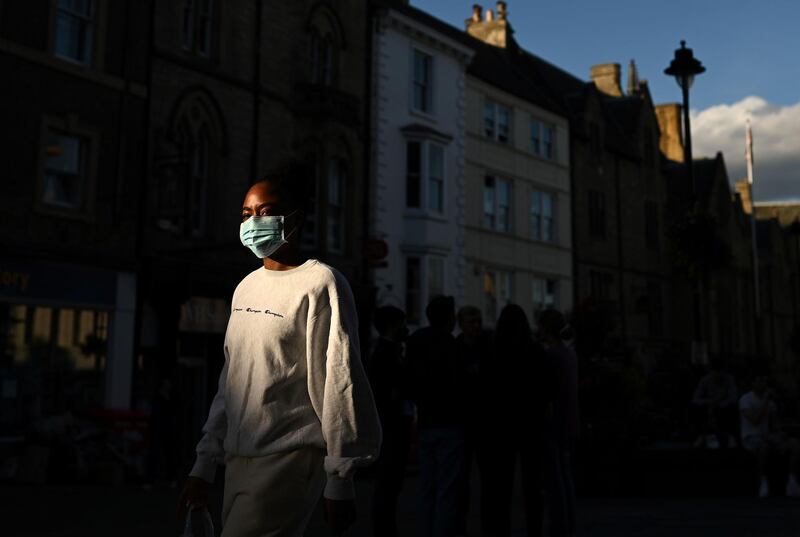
(529, 77)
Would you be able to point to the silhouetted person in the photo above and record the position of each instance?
(514, 398)
(761, 435)
(474, 349)
(715, 397)
(294, 402)
(389, 378)
(438, 393)
(561, 426)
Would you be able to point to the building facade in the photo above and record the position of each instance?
(73, 114)
(518, 192)
(418, 199)
(236, 92)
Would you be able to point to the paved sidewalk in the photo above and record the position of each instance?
(87, 511)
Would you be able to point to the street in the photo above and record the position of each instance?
(91, 511)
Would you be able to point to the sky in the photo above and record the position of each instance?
(750, 49)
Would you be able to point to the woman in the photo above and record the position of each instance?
(293, 401)
(513, 424)
(562, 423)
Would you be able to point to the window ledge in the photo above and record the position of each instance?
(420, 214)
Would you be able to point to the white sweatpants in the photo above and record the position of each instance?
(272, 496)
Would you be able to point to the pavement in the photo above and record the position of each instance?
(96, 511)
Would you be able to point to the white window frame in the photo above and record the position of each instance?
(498, 291)
(538, 218)
(337, 167)
(425, 177)
(539, 143)
(435, 264)
(414, 317)
(492, 130)
(429, 88)
(88, 22)
(539, 295)
(494, 205)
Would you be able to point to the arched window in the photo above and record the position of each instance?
(336, 207)
(187, 163)
(325, 43)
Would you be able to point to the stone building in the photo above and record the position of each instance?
(417, 205)
(233, 93)
(74, 144)
(518, 219)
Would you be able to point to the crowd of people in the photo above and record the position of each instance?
(486, 398)
(721, 413)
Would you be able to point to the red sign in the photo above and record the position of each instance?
(375, 249)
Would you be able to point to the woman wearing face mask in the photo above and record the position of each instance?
(293, 402)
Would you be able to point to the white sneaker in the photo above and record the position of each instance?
(792, 488)
(763, 490)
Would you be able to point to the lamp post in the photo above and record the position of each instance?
(684, 67)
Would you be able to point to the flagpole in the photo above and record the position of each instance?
(748, 152)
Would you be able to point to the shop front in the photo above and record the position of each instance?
(66, 341)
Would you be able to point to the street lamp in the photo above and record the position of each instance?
(684, 67)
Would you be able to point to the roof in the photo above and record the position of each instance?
(533, 79)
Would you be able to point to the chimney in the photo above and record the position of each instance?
(491, 30)
(745, 193)
(477, 9)
(606, 77)
(669, 124)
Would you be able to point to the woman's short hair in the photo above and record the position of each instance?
(292, 179)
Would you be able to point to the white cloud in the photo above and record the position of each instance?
(776, 143)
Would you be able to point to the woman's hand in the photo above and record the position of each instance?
(194, 493)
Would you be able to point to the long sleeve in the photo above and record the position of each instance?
(210, 452)
(340, 391)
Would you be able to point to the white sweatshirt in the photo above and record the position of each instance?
(293, 376)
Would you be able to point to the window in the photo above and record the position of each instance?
(542, 139)
(543, 216)
(544, 295)
(197, 26)
(497, 204)
(597, 214)
(425, 166)
(423, 82)
(600, 285)
(198, 182)
(75, 30)
(336, 213)
(65, 171)
(497, 121)
(651, 227)
(311, 225)
(413, 290)
(435, 178)
(436, 276)
(322, 59)
(31, 336)
(497, 292)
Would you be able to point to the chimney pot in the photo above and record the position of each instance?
(489, 15)
(501, 11)
(477, 9)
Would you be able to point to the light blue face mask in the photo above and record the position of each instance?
(263, 234)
